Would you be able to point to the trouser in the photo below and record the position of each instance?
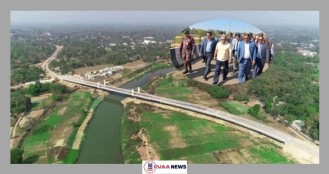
(219, 64)
(244, 69)
(204, 58)
(258, 69)
(209, 57)
(271, 57)
(188, 66)
(235, 60)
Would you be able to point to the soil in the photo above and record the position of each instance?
(41, 97)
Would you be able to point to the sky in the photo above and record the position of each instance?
(307, 18)
(227, 25)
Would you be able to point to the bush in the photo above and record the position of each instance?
(216, 92)
(267, 106)
(16, 156)
(254, 111)
(241, 97)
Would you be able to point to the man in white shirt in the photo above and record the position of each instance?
(271, 53)
(223, 56)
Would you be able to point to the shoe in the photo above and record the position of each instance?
(213, 83)
(185, 72)
(205, 77)
(224, 79)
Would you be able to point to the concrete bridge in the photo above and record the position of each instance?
(249, 124)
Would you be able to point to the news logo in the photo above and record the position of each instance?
(164, 167)
(149, 167)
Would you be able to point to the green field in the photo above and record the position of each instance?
(38, 143)
(269, 155)
(41, 104)
(176, 135)
(172, 89)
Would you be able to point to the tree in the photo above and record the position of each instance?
(16, 156)
(267, 106)
(20, 103)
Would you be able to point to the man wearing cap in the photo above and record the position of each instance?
(207, 51)
(186, 51)
(235, 45)
(223, 56)
(262, 52)
(246, 57)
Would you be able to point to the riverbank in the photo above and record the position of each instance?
(80, 135)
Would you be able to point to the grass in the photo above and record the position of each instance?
(230, 108)
(139, 72)
(41, 104)
(203, 159)
(72, 156)
(173, 89)
(269, 155)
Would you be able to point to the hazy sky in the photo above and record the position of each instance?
(166, 17)
(227, 25)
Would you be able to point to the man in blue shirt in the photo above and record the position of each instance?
(207, 52)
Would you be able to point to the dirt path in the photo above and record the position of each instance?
(41, 97)
(146, 150)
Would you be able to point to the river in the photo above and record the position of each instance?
(102, 144)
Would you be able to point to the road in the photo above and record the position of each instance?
(44, 67)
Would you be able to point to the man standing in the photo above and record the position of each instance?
(235, 45)
(246, 56)
(186, 51)
(223, 56)
(262, 51)
(207, 52)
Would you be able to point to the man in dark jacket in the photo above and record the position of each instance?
(207, 51)
(186, 51)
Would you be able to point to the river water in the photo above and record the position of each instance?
(102, 143)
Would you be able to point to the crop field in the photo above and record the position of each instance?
(58, 129)
(178, 136)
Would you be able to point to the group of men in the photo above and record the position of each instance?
(247, 52)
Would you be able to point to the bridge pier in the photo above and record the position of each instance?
(104, 82)
(132, 92)
(97, 84)
(139, 90)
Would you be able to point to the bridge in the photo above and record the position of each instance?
(249, 124)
